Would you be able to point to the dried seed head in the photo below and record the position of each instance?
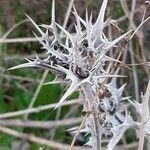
(81, 61)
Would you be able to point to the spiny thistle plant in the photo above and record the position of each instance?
(82, 60)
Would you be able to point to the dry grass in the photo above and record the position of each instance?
(138, 57)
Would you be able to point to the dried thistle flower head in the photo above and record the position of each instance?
(83, 62)
(78, 58)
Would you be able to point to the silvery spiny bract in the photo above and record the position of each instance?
(82, 61)
(78, 59)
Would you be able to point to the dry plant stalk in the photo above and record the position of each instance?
(82, 61)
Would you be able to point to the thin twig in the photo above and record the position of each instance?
(8, 76)
(134, 71)
(19, 40)
(132, 25)
(37, 92)
(145, 115)
(38, 140)
(19, 57)
(67, 15)
(13, 27)
(37, 109)
(80, 127)
(40, 124)
(139, 27)
(50, 143)
(131, 52)
(56, 119)
(34, 39)
(137, 32)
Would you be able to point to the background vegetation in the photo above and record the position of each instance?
(19, 88)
